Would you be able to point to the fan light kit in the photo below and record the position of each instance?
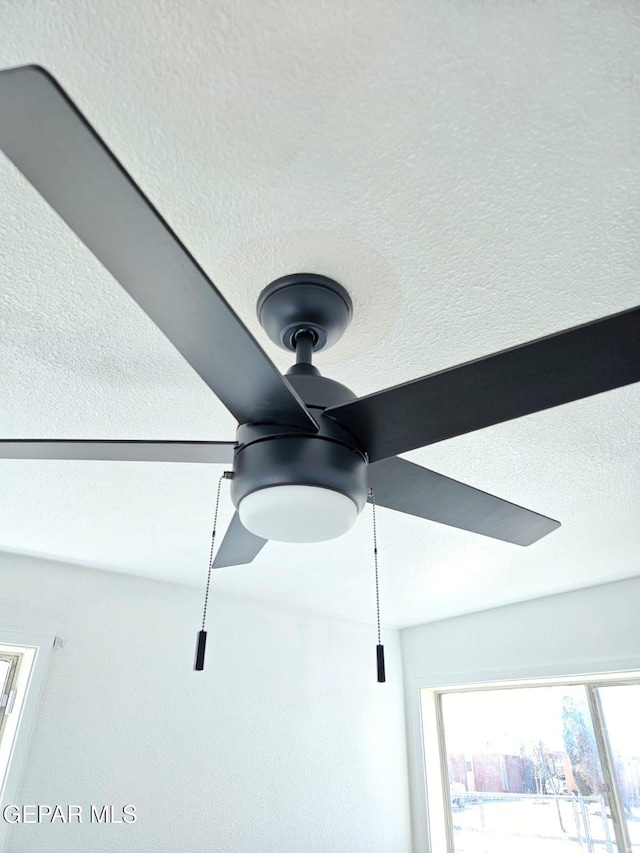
(307, 452)
(297, 513)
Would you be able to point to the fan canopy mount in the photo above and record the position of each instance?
(305, 301)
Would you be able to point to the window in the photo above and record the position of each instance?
(538, 767)
(9, 662)
(23, 663)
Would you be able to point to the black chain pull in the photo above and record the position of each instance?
(202, 634)
(379, 647)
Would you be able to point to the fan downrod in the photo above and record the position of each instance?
(304, 302)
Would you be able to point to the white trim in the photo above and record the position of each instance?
(434, 783)
(418, 798)
(26, 707)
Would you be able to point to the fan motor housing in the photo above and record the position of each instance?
(273, 455)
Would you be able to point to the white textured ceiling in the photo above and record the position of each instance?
(469, 170)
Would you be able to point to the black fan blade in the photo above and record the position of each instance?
(547, 372)
(401, 485)
(220, 452)
(238, 546)
(55, 148)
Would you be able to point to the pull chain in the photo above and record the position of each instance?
(202, 634)
(379, 647)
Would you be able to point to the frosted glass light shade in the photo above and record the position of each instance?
(297, 513)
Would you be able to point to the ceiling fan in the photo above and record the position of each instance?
(307, 451)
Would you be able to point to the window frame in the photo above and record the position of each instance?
(34, 651)
(434, 756)
(9, 686)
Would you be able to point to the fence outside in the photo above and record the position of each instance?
(532, 823)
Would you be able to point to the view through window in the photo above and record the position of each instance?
(544, 769)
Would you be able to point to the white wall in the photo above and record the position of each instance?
(284, 743)
(589, 631)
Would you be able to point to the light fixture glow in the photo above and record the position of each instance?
(297, 513)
